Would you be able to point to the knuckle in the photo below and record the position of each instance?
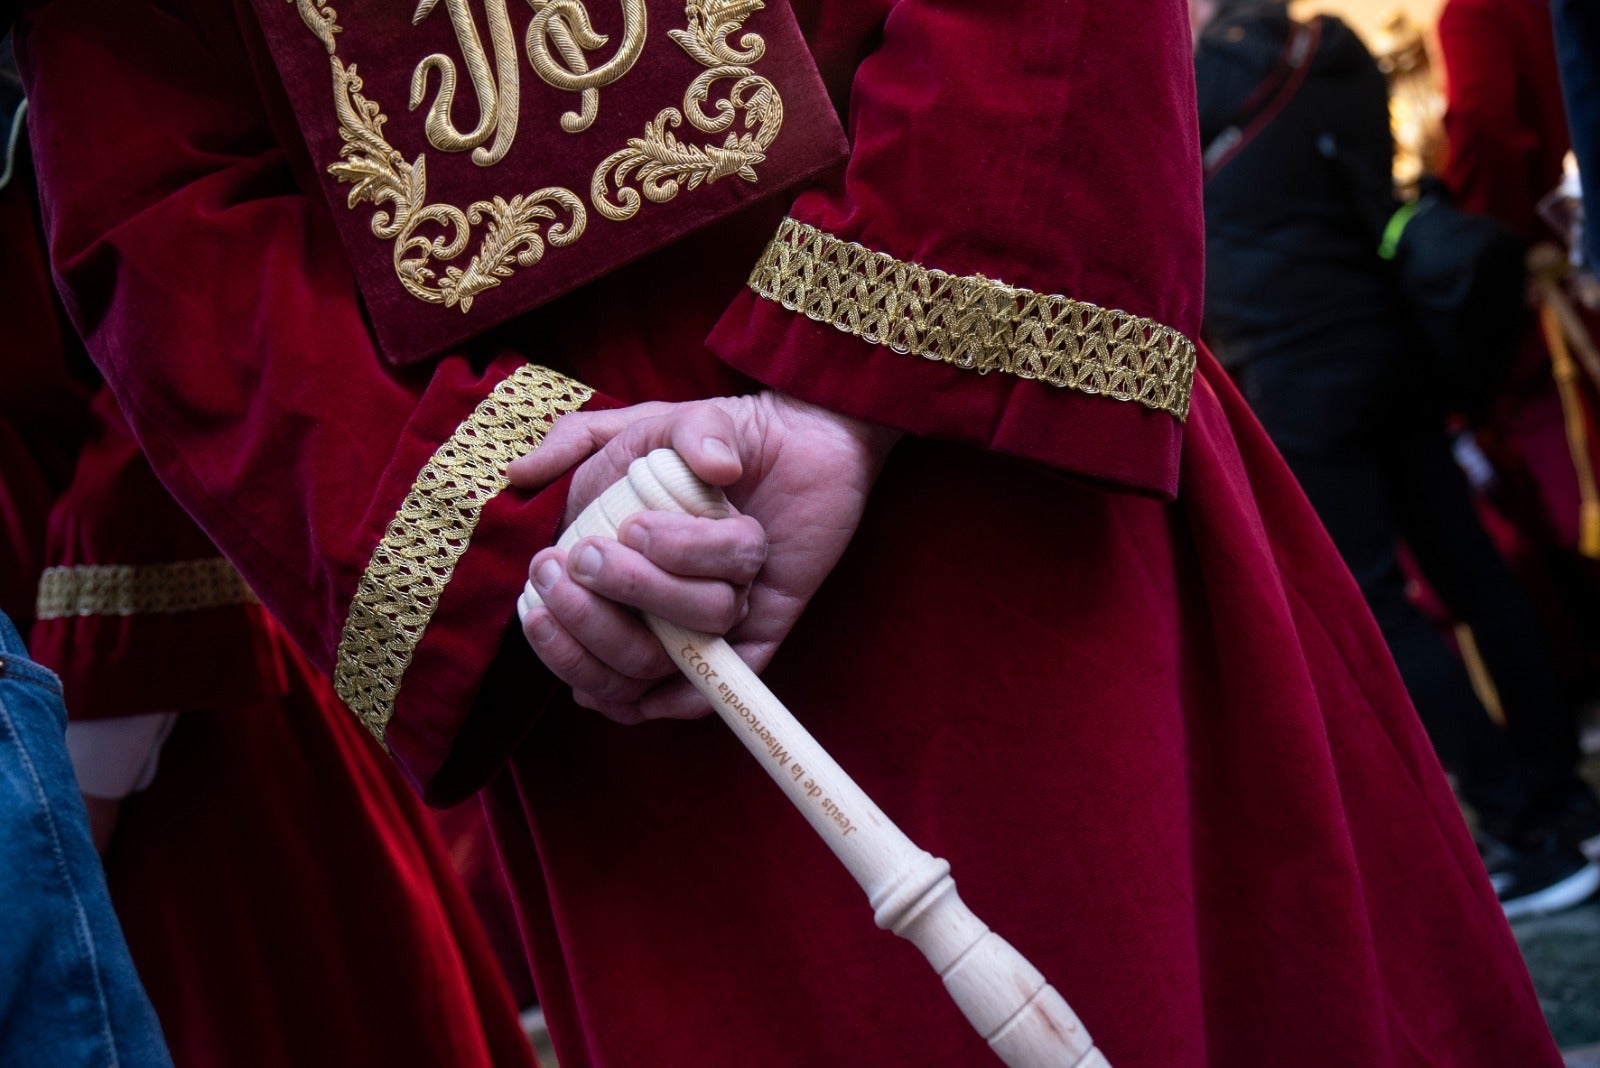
(727, 609)
(622, 583)
(593, 702)
(752, 558)
(574, 607)
(616, 688)
(565, 659)
(640, 661)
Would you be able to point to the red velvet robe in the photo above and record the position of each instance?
(286, 898)
(1102, 659)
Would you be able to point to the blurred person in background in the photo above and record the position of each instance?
(284, 895)
(1507, 139)
(1313, 326)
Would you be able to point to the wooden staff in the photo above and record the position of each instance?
(1024, 1020)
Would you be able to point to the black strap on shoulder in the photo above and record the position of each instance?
(1268, 99)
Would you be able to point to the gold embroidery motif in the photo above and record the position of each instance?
(658, 162)
(140, 589)
(380, 175)
(518, 229)
(498, 102)
(975, 322)
(710, 23)
(321, 19)
(412, 563)
(566, 24)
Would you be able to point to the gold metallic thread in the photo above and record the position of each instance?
(413, 562)
(140, 589)
(512, 233)
(566, 25)
(499, 92)
(514, 237)
(658, 163)
(975, 322)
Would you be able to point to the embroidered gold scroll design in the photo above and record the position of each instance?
(515, 234)
(658, 163)
(975, 322)
(498, 100)
(380, 175)
(565, 24)
(517, 230)
(140, 589)
(412, 564)
(321, 19)
(562, 24)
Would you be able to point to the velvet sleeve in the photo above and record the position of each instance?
(137, 611)
(1492, 160)
(994, 266)
(363, 506)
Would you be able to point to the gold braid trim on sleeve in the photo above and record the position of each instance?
(400, 589)
(975, 322)
(140, 589)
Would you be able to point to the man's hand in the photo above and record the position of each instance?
(799, 476)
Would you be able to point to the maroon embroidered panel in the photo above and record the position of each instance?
(482, 157)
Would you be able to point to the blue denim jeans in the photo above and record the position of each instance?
(69, 995)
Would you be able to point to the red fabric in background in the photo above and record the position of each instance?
(1112, 670)
(114, 511)
(466, 836)
(286, 898)
(1505, 120)
(288, 901)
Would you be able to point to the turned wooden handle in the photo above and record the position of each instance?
(1024, 1020)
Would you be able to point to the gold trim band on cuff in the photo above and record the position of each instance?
(140, 589)
(975, 322)
(399, 592)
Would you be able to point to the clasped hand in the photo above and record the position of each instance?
(799, 477)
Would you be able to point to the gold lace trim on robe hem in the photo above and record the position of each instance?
(976, 323)
(140, 589)
(400, 589)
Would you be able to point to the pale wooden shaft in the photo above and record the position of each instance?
(871, 847)
(1005, 998)
(1025, 1021)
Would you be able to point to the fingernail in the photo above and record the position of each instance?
(717, 449)
(547, 574)
(587, 564)
(636, 536)
(542, 629)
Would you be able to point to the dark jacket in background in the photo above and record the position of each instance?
(1311, 323)
(1293, 222)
